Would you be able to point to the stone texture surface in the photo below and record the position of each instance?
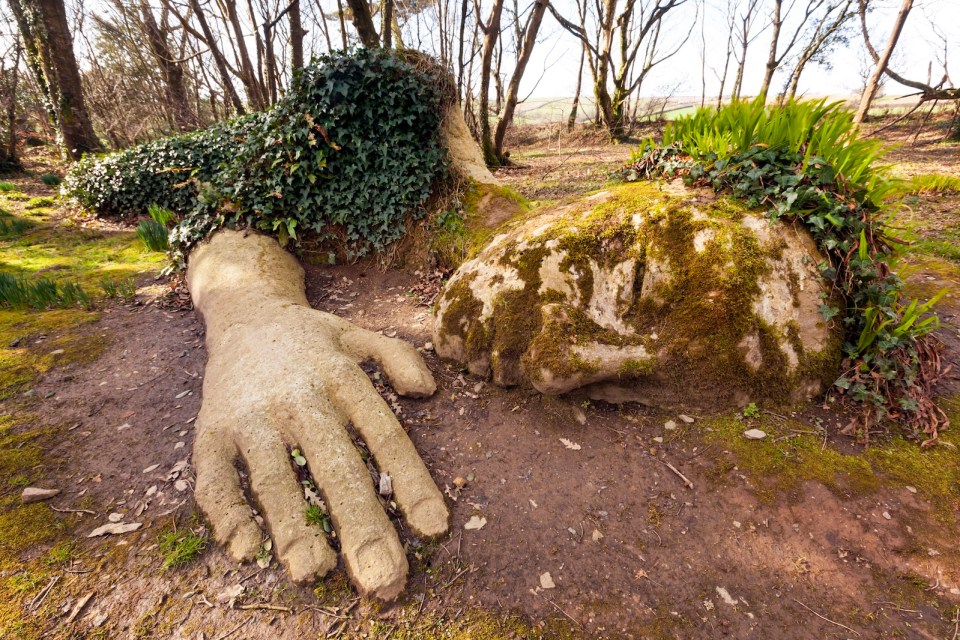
(36, 494)
(666, 296)
(282, 375)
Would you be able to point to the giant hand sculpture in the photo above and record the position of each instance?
(282, 375)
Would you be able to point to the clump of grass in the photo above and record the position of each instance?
(180, 547)
(931, 183)
(62, 554)
(124, 289)
(50, 179)
(39, 203)
(153, 232)
(18, 292)
(317, 516)
(11, 227)
(7, 187)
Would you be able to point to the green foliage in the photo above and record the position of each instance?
(349, 153)
(11, 227)
(751, 410)
(7, 187)
(18, 292)
(153, 235)
(50, 180)
(180, 547)
(317, 516)
(124, 289)
(37, 203)
(931, 183)
(805, 161)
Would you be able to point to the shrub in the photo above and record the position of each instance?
(7, 187)
(50, 180)
(154, 232)
(805, 161)
(349, 152)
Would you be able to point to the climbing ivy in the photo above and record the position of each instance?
(805, 161)
(349, 152)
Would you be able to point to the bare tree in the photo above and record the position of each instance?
(363, 23)
(171, 68)
(529, 33)
(9, 85)
(828, 31)
(491, 34)
(49, 47)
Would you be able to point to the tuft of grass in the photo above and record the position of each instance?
(63, 553)
(7, 187)
(12, 227)
(50, 180)
(180, 547)
(38, 203)
(18, 292)
(125, 289)
(153, 235)
(931, 183)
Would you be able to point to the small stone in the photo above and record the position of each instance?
(151, 468)
(428, 346)
(124, 426)
(754, 434)
(56, 352)
(886, 515)
(36, 494)
(180, 485)
(475, 523)
(911, 489)
(597, 535)
(115, 517)
(459, 482)
(115, 528)
(471, 477)
(686, 419)
(669, 425)
(180, 445)
(546, 581)
(30, 393)
(658, 439)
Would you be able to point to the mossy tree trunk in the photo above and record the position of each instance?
(49, 46)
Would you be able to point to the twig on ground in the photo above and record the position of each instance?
(454, 578)
(232, 631)
(560, 609)
(92, 513)
(38, 600)
(843, 626)
(685, 479)
(271, 607)
(257, 572)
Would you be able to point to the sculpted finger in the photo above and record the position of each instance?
(415, 491)
(404, 367)
(302, 548)
(219, 495)
(371, 549)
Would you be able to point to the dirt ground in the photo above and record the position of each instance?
(648, 526)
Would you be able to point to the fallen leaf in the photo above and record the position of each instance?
(570, 445)
(475, 523)
(152, 467)
(115, 528)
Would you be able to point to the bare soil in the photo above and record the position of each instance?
(593, 495)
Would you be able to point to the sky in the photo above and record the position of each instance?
(553, 68)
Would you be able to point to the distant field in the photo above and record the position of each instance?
(548, 110)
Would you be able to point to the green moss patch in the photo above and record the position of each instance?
(791, 455)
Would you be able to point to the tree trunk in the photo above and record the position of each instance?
(529, 40)
(491, 34)
(387, 27)
(296, 35)
(46, 37)
(248, 76)
(363, 23)
(874, 82)
(771, 65)
(171, 70)
(572, 118)
(218, 57)
(8, 148)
